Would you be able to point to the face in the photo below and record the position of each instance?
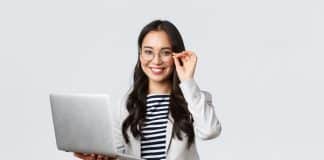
(156, 56)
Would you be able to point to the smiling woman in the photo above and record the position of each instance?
(165, 110)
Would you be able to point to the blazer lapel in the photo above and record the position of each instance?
(169, 132)
(137, 148)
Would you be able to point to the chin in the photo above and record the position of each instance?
(158, 78)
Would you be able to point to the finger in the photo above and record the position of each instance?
(180, 54)
(187, 52)
(176, 62)
(185, 56)
(176, 53)
(79, 155)
(93, 156)
(189, 56)
(193, 54)
(100, 157)
(111, 158)
(82, 155)
(190, 53)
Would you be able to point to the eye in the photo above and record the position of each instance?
(148, 52)
(166, 53)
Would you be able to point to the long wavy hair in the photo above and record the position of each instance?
(136, 101)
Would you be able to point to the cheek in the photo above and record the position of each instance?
(144, 66)
(143, 63)
(170, 64)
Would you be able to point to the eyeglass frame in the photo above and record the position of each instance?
(154, 54)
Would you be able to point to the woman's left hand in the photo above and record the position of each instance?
(187, 69)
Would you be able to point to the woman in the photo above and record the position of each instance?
(165, 110)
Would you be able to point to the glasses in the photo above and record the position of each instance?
(164, 54)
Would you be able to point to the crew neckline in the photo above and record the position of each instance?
(157, 93)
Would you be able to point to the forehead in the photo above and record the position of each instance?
(156, 39)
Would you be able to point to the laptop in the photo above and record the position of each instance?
(83, 123)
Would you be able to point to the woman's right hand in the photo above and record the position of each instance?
(85, 156)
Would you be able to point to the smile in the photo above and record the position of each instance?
(156, 70)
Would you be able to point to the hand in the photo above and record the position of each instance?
(85, 156)
(187, 69)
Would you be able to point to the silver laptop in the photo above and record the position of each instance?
(83, 123)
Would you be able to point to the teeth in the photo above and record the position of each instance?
(156, 70)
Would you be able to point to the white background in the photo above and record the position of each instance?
(261, 60)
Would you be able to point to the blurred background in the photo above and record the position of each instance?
(261, 60)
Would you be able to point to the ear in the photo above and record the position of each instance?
(140, 60)
(138, 63)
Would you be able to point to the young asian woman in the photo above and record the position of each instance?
(165, 110)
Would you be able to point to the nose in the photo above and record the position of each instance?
(157, 59)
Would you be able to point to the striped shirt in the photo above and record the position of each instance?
(153, 143)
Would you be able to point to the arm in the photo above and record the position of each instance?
(117, 125)
(206, 123)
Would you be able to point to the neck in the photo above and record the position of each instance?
(159, 87)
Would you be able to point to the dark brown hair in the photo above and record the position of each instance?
(136, 102)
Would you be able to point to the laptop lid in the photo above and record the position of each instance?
(82, 122)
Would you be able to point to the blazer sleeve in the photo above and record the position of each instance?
(120, 110)
(206, 123)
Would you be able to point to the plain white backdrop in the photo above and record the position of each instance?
(261, 60)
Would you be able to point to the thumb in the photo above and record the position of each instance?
(176, 62)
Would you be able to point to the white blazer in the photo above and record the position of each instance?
(206, 125)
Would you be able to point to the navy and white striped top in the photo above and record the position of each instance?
(153, 143)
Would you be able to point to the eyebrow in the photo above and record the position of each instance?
(161, 48)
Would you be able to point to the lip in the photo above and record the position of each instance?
(156, 67)
(157, 73)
